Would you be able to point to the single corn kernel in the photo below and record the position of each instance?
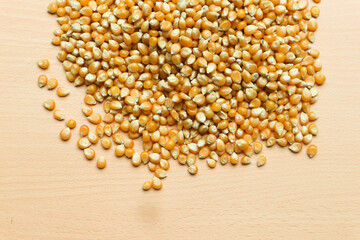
(311, 151)
(156, 183)
(90, 100)
(295, 147)
(87, 111)
(160, 173)
(62, 91)
(94, 118)
(93, 138)
(257, 147)
(164, 164)
(65, 134)
(89, 153)
(49, 104)
(261, 161)
(101, 163)
(59, 115)
(106, 143)
(120, 150)
(129, 152)
(245, 160)
(52, 83)
(84, 130)
(136, 160)
(147, 185)
(42, 81)
(71, 123)
(193, 169)
(234, 159)
(83, 143)
(43, 63)
(211, 163)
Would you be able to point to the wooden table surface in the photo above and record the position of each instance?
(49, 191)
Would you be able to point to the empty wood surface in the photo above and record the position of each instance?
(49, 191)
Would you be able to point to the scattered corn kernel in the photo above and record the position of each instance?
(84, 130)
(156, 183)
(42, 81)
(311, 151)
(147, 185)
(49, 104)
(136, 160)
(52, 83)
(193, 169)
(71, 123)
(101, 163)
(43, 63)
(106, 143)
(245, 160)
(65, 134)
(211, 162)
(62, 91)
(261, 161)
(59, 115)
(89, 153)
(83, 143)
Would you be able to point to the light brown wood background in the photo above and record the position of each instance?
(49, 191)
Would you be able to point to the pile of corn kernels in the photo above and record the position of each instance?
(194, 79)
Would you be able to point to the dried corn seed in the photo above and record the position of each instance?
(108, 130)
(211, 163)
(147, 185)
(128, 143)
(62, 91)
(120, 150)
(71, 123)
(261, 161)
(51, 83)
(295, 147)
(99, 131)
(89, 153)
(136, 160)
(87, 111)
(106, 143)
(84, 130)
(311, 151)
(118, 138)
(42, 81)
(65, 134)
(156, 183)
(43, 63)
(164, 164)
(129, 152)
(193, 169)
(101, 163)
(257, 147)
(152, 167)
(155, 158)
(59, 115)
(234, 159)
(224, 159)
(313, 129)
(93, 138)
(245, 160)
(160, 173)
(90, 100)
(94, 118)
(49, 104)
(83, 143)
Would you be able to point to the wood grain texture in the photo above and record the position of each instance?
(48, 190)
